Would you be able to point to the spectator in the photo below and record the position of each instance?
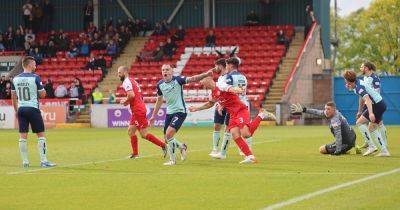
(131, 25)
(101, 63)
(38, 16)
(252, 19)
(97, 96)
(63, 42)
(157, 29)
(164, 27)
(73, 50)
(3, 87)
(53, 36)
(49, 89)
(51, 50)
(91, 29)
(73, 91)
(90, 65)
(48, 14)
(81, 90)
(309, 20)
(30, 36)
(61, 91)
(2, 43)
(170, 48)
(143, 27)
(9, 39)
(7, 94)
(111, 49)
(210, 39)
(281, 38)
(97, 42)
(179, 34)
(119, 23)
(112, 98)
(27, 11)
(36, 55)
(87, 14)
(85, 49)
(19, 39)
(158, 55)
(137, 27)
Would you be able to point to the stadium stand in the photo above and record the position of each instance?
(256, 47)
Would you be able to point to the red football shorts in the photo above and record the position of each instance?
(139, 120)
(239, 119)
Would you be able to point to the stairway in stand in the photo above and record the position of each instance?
(276, 91)
(111, 81)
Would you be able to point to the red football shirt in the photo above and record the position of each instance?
(136, 104)
(230, 101)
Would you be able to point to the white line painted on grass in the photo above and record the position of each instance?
(329, 189)
(196, 173)
(112, 160)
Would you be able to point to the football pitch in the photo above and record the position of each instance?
(93, 173)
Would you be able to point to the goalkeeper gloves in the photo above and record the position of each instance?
(297, 108)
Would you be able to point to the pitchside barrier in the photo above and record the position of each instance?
(347, 102)
(53, 111)
(117, 116)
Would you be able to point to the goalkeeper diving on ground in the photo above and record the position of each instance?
(345, 137)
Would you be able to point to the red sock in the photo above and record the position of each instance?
(155, 140)
(254, 124)
(243, 146)
(134, 145)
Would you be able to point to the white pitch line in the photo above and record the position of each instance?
(329, 189)
(111, 160)
(191, 173)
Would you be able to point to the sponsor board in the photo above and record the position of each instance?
(50, 114)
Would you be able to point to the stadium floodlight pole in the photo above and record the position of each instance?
(213, 13)
(96, 13)
(122, 5)
(176, 10)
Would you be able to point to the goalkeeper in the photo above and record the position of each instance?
(345, 137)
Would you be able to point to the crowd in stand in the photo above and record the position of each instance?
(5, 87)
(158, 51)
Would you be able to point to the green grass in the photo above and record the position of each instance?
(289, 166)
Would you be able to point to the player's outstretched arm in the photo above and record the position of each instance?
(157, 107)
(298, 108)
(199, 77)
(207, 105)
(236, 90)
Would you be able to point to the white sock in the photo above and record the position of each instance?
(366, 135)
(262, 115)
(382, 129)
(171, 149)
(378, 137)
(42, 149)
(23, 149)
(225, 142)
(215, 140)
(178, 144)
